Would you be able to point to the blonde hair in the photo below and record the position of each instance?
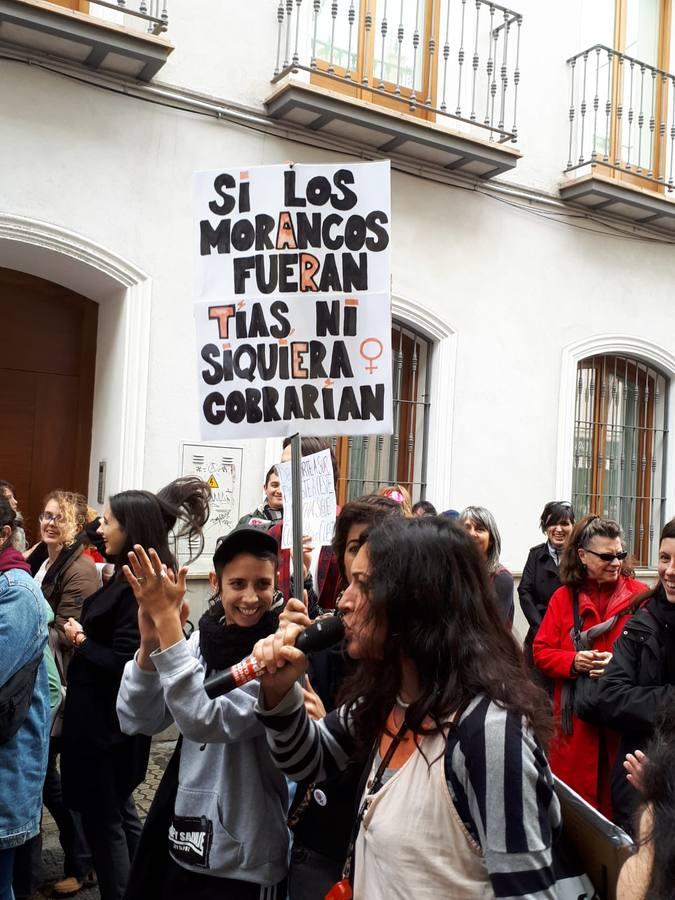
(391, 491)
(73, 511)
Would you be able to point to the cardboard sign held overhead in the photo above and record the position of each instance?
(292, 300)
(318, 499)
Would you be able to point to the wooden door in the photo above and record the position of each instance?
(47, 368)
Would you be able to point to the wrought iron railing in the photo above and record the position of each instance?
(620, 437)
(621, 116)
(151, 14)
(456, 59)
(368, 463)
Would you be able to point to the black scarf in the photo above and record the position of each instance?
(224, 645)
(50, 582)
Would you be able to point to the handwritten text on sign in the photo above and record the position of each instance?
(292, 300)
(318, 499)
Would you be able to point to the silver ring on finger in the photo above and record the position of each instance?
(140, 580)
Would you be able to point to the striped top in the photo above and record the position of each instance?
(497, 775)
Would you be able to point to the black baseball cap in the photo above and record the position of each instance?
(243, 539)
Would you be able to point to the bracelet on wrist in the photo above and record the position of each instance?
(80, 638)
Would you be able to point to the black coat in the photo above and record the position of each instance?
(630, 694)
(539, 581)
(100, 766)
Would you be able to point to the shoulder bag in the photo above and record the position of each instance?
(16, 696)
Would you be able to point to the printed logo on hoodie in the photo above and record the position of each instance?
(190, 838)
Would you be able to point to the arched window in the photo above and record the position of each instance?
(366, 463)
(619, 442)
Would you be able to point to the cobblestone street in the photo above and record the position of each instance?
(52, 856)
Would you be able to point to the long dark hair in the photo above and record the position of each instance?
(365, 510)
(429, 588)
(658, 793)
(148, 518)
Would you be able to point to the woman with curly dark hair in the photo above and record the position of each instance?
(459, 799)
(100, 766)
(67, 577)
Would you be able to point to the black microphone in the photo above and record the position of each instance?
(319, 636)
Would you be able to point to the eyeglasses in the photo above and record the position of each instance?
(608, 557)
(48, 517)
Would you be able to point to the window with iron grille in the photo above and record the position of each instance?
(620, 431)
(367, 463)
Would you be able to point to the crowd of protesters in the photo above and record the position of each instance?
(414, 758)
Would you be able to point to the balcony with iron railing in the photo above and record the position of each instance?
(124, 37)
(621, 148)
(435, 81)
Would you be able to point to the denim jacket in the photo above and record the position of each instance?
(23, 759)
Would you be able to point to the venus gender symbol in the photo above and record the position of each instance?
(371, 357)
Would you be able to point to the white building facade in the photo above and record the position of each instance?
(532, 278)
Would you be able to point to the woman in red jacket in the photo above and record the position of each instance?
(593, 569)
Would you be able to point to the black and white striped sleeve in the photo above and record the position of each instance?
(502, 787)
(303, 749)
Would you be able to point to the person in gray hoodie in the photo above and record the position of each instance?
(227, 833)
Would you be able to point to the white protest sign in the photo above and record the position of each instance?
(220, 467)
(318, 499)
(292, 300)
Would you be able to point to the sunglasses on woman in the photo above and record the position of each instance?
(608, 557)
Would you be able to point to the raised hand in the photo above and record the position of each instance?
(156, 588)
(150, 636)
